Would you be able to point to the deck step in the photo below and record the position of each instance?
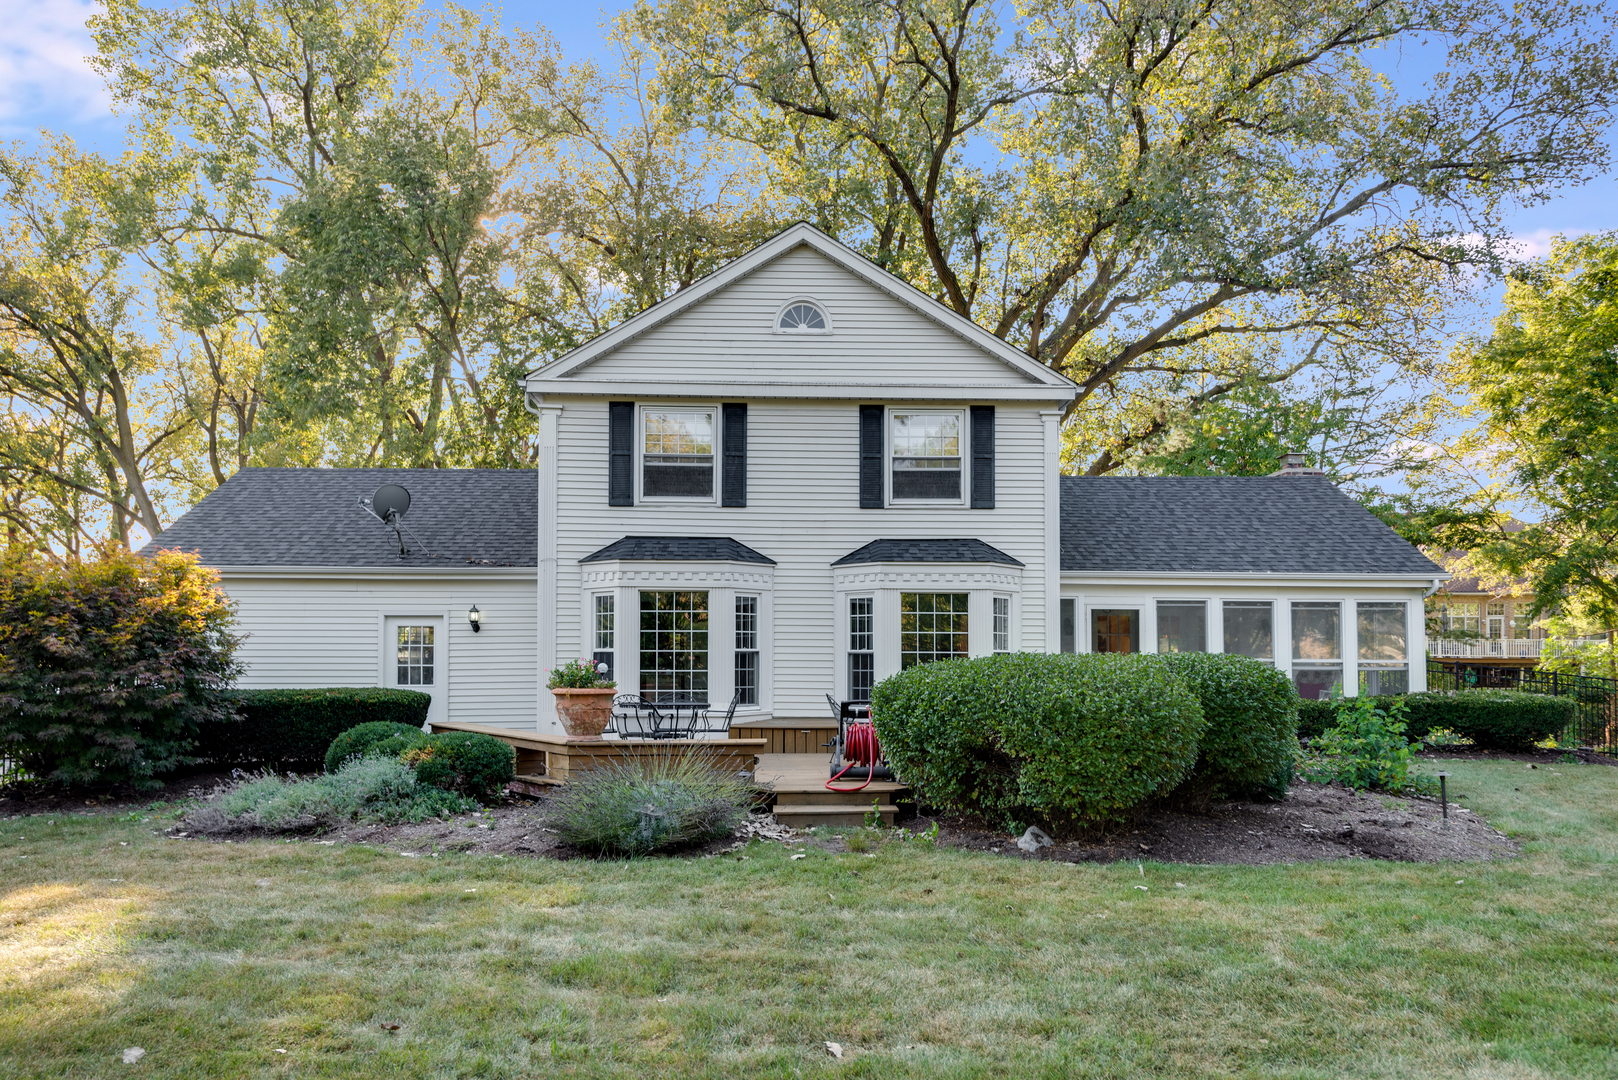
(801, 816)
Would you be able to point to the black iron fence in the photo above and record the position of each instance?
(1595, 721)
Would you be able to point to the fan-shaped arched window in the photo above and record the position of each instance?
(802, 317)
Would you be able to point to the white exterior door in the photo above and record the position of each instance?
(414, 658)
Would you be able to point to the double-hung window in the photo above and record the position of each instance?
(604, 630)
(861, 647)
(1002, 624)
(677, 453)
(747, 650)
(925, 456)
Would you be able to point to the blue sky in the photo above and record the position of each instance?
(45, 83)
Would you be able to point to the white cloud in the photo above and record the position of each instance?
(44, 72)
(1526, 247)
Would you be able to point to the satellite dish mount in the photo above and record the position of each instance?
(388, 506)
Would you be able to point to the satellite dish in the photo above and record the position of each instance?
(390, 500)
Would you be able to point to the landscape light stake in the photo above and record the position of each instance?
(1443, 797)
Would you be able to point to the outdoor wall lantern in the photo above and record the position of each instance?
(475, 617)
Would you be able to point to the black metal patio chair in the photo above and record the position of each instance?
(633, 717)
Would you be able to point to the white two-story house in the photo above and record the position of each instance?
(790, 480)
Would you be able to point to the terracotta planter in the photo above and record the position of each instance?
(584, 713)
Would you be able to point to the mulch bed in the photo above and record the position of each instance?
(1314, 821)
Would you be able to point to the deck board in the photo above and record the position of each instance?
(808, 773)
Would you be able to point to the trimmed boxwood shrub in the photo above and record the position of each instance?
(1252, 735)
(1058, 738)
(1492, 719)
(463, 761)
(1315, 716)
(361, 741)
(288, 728)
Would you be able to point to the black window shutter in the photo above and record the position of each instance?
(983, 457)
(870, 457)
(733, 484)
(620, 453)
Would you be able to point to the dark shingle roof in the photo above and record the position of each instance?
(1226, 524)
(678, 547)
(927, 551)
(312, 517)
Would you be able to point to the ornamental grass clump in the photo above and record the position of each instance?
(370, 790)
(641, 805)
(1062, 740)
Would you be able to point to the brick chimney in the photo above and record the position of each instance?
(1296, 463)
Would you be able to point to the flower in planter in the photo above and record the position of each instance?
(581, 674)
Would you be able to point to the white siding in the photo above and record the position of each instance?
(803, 511)
(327, 631)
(875, 338)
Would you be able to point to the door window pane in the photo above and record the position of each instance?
(674, 645)
(1250, 628)
(932, 626)
(861, 647)
(926, 455)
(1182, 626)
(1316, 631)
(1070, 626)
(1115, 630)
(677, 457)
(415, 656)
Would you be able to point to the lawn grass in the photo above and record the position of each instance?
(920, 963)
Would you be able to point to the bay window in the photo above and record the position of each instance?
(747, 650)
(861, 647)
(932, 626)
(674, 645)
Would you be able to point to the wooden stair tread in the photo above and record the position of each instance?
(833, 808)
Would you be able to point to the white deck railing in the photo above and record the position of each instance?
(1507, 648)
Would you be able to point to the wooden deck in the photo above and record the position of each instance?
(551, 759)
(791, 736)
(802, 799)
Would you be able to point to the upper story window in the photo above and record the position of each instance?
(802, 317)
(677, 453)
(926, 455)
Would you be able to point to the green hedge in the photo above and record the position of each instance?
(1492, 719)
(1252, 736)
(1022, 737)
(288, 728)
(361, 740)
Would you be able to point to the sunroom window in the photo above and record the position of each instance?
(677, 458)
(1384, 658)
(1182, 626)
(1317, 649)
(1250, 629)
(926, 455)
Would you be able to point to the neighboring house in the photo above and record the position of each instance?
(793, 479)
(1475, 623)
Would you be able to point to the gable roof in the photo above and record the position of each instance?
(925, 551)
(801, 234)
(1226, 524)
(464, 518)
(669, 548)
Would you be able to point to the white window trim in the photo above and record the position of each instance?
(887, 455)
(825, 313)
(641, 409)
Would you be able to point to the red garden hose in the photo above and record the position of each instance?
(859, 748)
